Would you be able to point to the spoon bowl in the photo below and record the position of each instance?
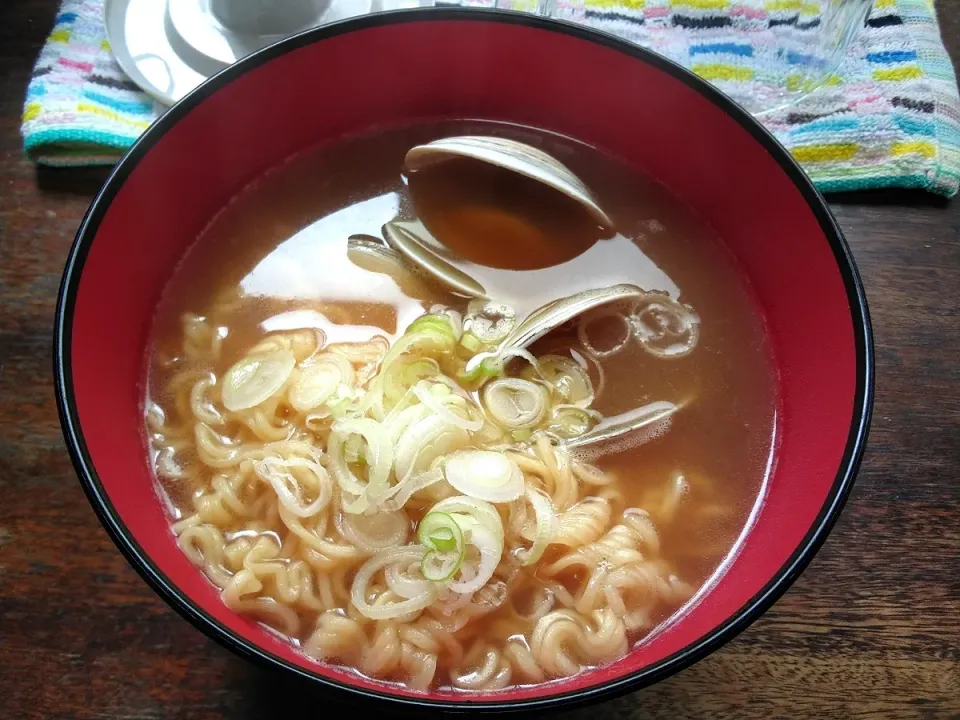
(511, 155)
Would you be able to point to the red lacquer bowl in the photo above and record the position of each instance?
(398, 67)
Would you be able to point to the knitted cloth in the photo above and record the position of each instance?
(889, 118)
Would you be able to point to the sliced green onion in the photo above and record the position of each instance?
(477, 373)
(489, 321)
(570, 421)
(426, 440)
(515, 404)
(352, 448)
(401, 376)
(279, 473)
(471, 343)
(486, 365)
(438, 397)
(443, 541)
(315, 384)
(482, 528)
(486, 324)
(547, 526)
(485, 475)
(443, 538)
(378, 454)
(568, 379)
(407, 580)
(360, 589)
(454, 317)
(398, 495)
(256, 378)
(320, 377)
(372, 533)
(431, 335)
(401, 418)
(482, 511)
(439, 531)
(418, 370)
(490, 547)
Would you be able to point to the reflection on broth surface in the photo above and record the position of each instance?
(341, 471)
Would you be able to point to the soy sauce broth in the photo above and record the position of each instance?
(275, 259)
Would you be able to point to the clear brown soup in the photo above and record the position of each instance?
(275, 260)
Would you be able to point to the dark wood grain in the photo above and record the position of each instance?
(870, 629)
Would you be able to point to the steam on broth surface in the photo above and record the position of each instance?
(338, 469)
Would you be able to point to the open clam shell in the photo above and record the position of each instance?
(510, 155)
(407, 238)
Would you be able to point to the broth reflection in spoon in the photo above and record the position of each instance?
(522, 241)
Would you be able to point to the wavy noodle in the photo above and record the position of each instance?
(186, 402)
(554, 471)
(483, 668)
(583, 523)
(202, 340)
(232, 496)
(635, 591)
(203, 545)
(282, 559)
(265, 422)
(525, 666)
(302, 343)
(564, 642)
(202, 406)
(620, 572)
(590, 474)
(336, 638)
(243, 594)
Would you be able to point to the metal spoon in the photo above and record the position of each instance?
(616, 426)
(510, 155)
(372, 255)
(553, 315)
(408, 238)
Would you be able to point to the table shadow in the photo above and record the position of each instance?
(85, 181)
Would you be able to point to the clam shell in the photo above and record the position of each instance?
(510, 155)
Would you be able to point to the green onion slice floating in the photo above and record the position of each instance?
(443, 538)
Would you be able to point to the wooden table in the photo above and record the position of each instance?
(869, 630)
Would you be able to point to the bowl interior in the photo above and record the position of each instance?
(399, 69)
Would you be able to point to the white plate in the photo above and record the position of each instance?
(169, 47)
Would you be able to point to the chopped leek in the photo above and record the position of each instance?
(482, 528)
(426, 440)
(514, 403)
(443, 538)
(315, 385)
(569, 381)
(404, 374)
(384, 559)
(570, 421)
(372, 533)
(487, 323)
(480, 510)
(547, 526)
(256, 378)
(485, 475)
(430, 335)
(378, 453)
(455, 408)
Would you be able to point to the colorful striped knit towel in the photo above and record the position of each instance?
(891, 118)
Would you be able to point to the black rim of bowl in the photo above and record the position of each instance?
(750, 611)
